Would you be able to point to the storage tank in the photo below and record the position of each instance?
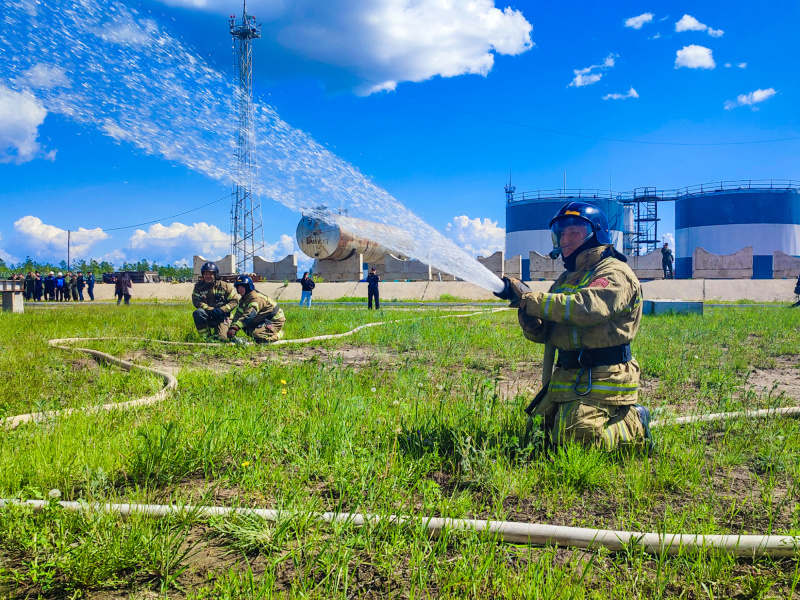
(764, 215)
(339, 237)
(528, 218)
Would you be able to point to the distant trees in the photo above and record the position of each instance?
(97, 267)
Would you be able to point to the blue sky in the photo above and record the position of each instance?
(433, 101)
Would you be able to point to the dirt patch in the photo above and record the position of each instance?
(784, 378)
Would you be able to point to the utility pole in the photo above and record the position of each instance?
(247, 233)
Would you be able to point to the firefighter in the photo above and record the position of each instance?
(214, 301)
(258, 315)
(591, 315)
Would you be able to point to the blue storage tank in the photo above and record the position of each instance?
(528, 218)
(724, 221)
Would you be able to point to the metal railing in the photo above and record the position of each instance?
(648, 193)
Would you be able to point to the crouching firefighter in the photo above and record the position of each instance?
(590, 315)
(214, 301)
(258, 315)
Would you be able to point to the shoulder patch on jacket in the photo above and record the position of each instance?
(600, 282)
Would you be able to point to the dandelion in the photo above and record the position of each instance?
(246, 463)
(419, 385)
(283, 391)
(696, 357)
(373, 390)
(396, 403)
(54, 493)
(283, 382)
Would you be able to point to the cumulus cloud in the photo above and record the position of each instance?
(391, 41)
(632, 93)
(694, 57)
(280, 249)
(689, 23)
(637, 22)
(751, 99)
(115, 257)
(179, 240)
(20, 117)
(668, 238)
(45, 240)
(5, 256)
(592, 74)
(476, 236)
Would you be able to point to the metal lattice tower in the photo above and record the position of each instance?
(247, 233)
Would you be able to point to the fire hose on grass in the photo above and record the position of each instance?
(534, 534)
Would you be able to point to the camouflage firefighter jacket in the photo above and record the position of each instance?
(255, 309)
(219, 294)
(598, 305)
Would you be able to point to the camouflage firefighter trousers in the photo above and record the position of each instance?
(266, 332)
(592, 424)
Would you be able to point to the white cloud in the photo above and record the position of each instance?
(45, 240)
(656, 36)
(637, 22)
(592, 74)
(20, 117)
(632, 93)
(42, 76)
(391, 41)
(280, 249)
(668, 238)
(694, 57)
(115, 257)
(689, 23)
(5, 256)
(476, 236)
(751, 99)
(742, 65)
(165, 244)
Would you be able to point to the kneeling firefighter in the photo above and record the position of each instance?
(214, 301)
(258, 315)
(590, 315)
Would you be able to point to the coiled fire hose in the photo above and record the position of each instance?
(535, 534)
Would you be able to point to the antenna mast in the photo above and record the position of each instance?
(247, 233)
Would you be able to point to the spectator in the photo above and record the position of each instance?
(307, 285)
(50, 287)
(372, 289)
(123, 288)
(73, 286)
(61, 287)
(37, 286)
(81, 283)
(29, 283)
(90, 285)
(667, 258)
(796, 291)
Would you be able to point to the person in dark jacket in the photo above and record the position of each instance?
(37, 286)
(61, 288)
(307, 285)
(667, 258)
(90, 285)
(123, 288)
(29, 283)
(73, 286)
(50, 287)
(796, 291)
(81, 284)
(372, 289)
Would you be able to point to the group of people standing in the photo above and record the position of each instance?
(56, 287)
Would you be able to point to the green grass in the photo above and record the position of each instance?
(408, 418)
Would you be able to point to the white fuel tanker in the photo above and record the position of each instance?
(334, 239)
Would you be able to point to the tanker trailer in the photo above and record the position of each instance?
(339, 237)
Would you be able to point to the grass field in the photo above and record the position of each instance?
(418, 417)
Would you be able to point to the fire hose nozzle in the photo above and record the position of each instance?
(512, 291)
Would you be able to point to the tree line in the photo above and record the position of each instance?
(6, 270)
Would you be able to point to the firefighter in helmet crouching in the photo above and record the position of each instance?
(258, 315)
(590, 315)
(214, 301)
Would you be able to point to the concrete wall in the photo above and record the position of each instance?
(544, 267)
(647, 266)
(350, 269)
(513, 267)
(495, 263)
(738, 265)
(227, 264)
(404, 270)
(785, 266)
(276, 271)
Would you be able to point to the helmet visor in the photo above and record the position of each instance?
(570, 232)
